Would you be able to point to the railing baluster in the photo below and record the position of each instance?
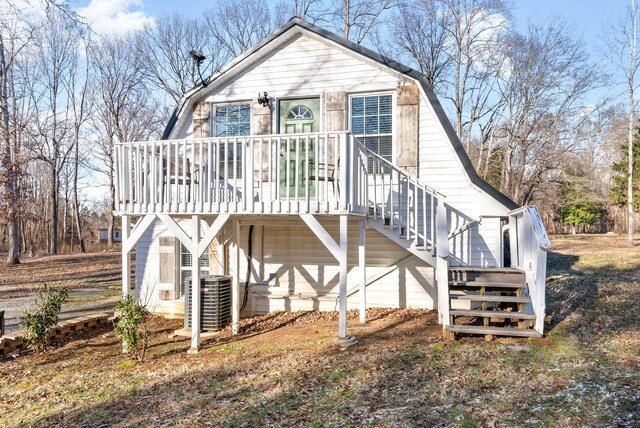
(305, 173)
(432, 221)
(287, 171)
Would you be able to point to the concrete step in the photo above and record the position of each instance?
(492, 314)
(494, 331)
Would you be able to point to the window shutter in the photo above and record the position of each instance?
(167, 274)
(335, 108)
(407, 128)
(260, 125)
(202, 120)
(260, 119)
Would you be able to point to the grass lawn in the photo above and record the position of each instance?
(285, 370)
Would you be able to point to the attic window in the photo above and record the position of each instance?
(300, 112)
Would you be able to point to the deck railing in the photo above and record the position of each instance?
(288, 173)
(529, 244)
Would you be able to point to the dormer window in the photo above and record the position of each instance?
(299, 112)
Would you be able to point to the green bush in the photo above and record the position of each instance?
(132, 328)
(37, 323)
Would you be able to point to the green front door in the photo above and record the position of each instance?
(299, 116)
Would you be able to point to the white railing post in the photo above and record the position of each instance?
(442, 262)
(344, 171)
(529, 245)
(116, 177)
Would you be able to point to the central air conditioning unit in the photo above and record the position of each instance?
(215, 302)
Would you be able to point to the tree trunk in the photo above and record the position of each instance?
(53, 232)
(8, 168)
(347, 23)
(632, 68)
(76, 211)
(112, 204)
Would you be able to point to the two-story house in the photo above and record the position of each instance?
(320, 175)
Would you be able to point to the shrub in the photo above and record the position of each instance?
(37, 323)
(132, 328)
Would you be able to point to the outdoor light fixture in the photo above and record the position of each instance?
(199, 58)
(264, 100)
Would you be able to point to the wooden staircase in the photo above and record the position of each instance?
(471, 300)
(489, 302)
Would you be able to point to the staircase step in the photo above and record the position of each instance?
(486, 284)
(495, 331)
(484, 269)
(491, 314)
(486, 298)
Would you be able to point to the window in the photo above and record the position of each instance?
(300, 112)
(185, 266)
(371, 122)
(232, 120)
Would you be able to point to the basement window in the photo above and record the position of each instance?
(186, 263)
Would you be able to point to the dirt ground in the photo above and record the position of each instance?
(284, 369)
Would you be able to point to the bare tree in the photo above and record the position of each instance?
(15, 37)
(55, 53)
(474, 30)
(624, 51)
(77, 85)
(237, 25)
(547, 77)
(420, 33)
(358, 18)
(314, 11)
(163, 49)
(633, 67)
(123, 108)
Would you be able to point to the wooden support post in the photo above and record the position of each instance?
(340, 253)
(126, 258)
(363, 272)
(235, 292)
(342, 305)
(195, 284)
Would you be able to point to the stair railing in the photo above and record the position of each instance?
(529, 244)
(401, 200)
(417, 211)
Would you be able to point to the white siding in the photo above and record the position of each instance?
(308, 65)
(305, 275)
(148, 265)
(478, 245)
(304, 66)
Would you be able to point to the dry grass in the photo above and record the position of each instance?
(91, 270)
(285, 370)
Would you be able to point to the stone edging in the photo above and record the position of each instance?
(14, 341)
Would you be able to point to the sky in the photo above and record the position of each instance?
(587, 16)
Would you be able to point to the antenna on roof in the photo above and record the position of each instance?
(199, 58)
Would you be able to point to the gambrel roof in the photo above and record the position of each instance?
(296, 26)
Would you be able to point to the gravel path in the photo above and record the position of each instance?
(14, 307)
